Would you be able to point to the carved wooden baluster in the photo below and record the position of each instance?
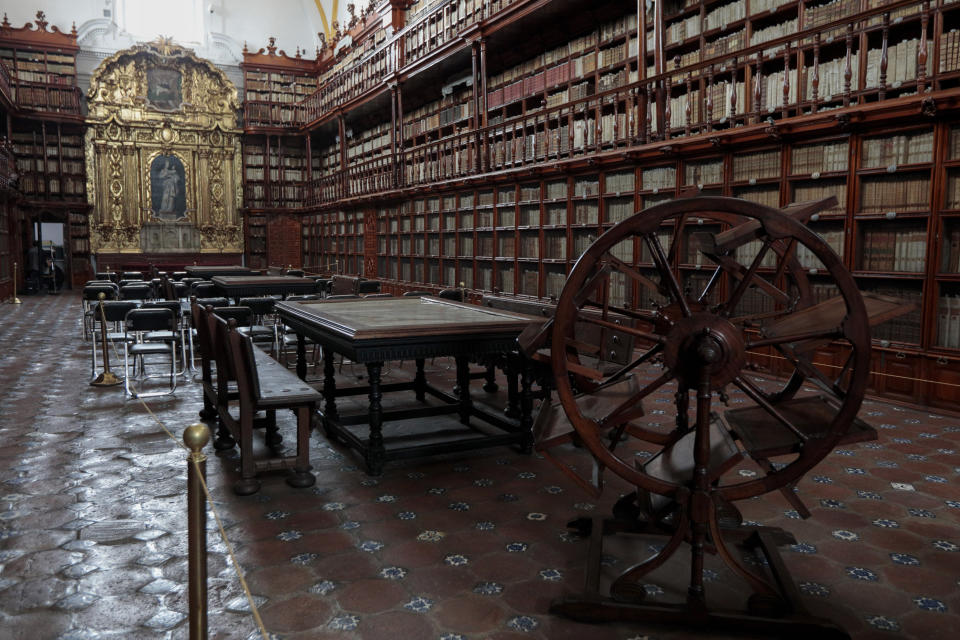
(758, 88)
(786, 79)
(815, 74)
(883, 55)
(667, 122)
(631, 117)
(733, 91)
(922, 51)
(689, 109)
(848, 68)
(710, 98)
(648, 125)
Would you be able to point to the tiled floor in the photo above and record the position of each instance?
(92, 524)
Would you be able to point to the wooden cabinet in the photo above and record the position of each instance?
(42, 67)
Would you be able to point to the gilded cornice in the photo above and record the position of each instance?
(118, 89)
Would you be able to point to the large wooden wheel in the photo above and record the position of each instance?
(707, 300)
(699, 339)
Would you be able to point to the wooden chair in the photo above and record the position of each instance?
(263, 384)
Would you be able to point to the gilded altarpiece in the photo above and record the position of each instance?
(163, 154)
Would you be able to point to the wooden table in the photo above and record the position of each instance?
(251, 286)
(375, 331)
(208, 271)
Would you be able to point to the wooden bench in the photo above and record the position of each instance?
(263, 384)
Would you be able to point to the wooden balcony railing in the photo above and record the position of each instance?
(8, 165)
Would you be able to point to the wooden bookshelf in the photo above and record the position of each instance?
(42, 68)
(501, 181)
(273, 85)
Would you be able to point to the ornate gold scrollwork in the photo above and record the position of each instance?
(158, 99)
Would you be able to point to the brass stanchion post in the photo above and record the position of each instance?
(16, 300)
(196, 437)
(107, 378)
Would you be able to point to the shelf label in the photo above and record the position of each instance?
(884, 343)
(813, 271)
(752, 181)
(656, 190)
(815, 175)
(892, 168)
(890, 215)
(815, 217)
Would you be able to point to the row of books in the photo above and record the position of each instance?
(619, 182)
(948, 321)
(892, 150)
(585, 212)
(820, 14)
(768, 195)
(819, 158)
(900, 248)
(774, 31)
(703, 172)
(834, 238)
(724, 15)
(833, 83)
(895, 193)
(772, 92)
(949, 50)
(764, 164)
(657, 178)
(725, 44)
(677, 32)
(901, 63)
(950, 262)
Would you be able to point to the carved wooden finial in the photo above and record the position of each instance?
(351, 9)
(323, 42)
(298, 52)
(41, 21)
(245, 50)
(6, 23)
(73, 28)
(272, 47)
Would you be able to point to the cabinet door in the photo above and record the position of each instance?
(943, 388)
(901, 379)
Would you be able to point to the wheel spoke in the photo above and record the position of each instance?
(652, 351)
(628, 270)
(757, 395)
(738, 271)
(667, 272)
(646, 335)
(747, 280)
(628, 410)
(810, 370)
(828, 334)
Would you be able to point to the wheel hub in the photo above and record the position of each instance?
(705, 341)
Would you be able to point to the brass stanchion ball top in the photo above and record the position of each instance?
(101, 296)
(196, 436)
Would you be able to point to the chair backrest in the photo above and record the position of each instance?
(93, 291)
(203, 289)
(178, 275)
(198, 317)
(243, 362)
(259, 306)
(243, 315)
(451, 294)
(213, 302)
(156, 319)
(132, 275)
(106, 276)
(415, 294)
(341, 285)
(368, 286)
(222, 355)
(298, 273)
(304, 298)
(173, 305)
(343, 296)
(136, 292)
(114, 310)
(124, 283)
(377, 295)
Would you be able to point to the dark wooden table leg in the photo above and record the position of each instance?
(301, 357)
(375, 452)
(513, 386)
(526, 405)
(490, 376)
(463, 381)
(420, 381)
(329, 389)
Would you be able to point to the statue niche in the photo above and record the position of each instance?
(168, 189)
